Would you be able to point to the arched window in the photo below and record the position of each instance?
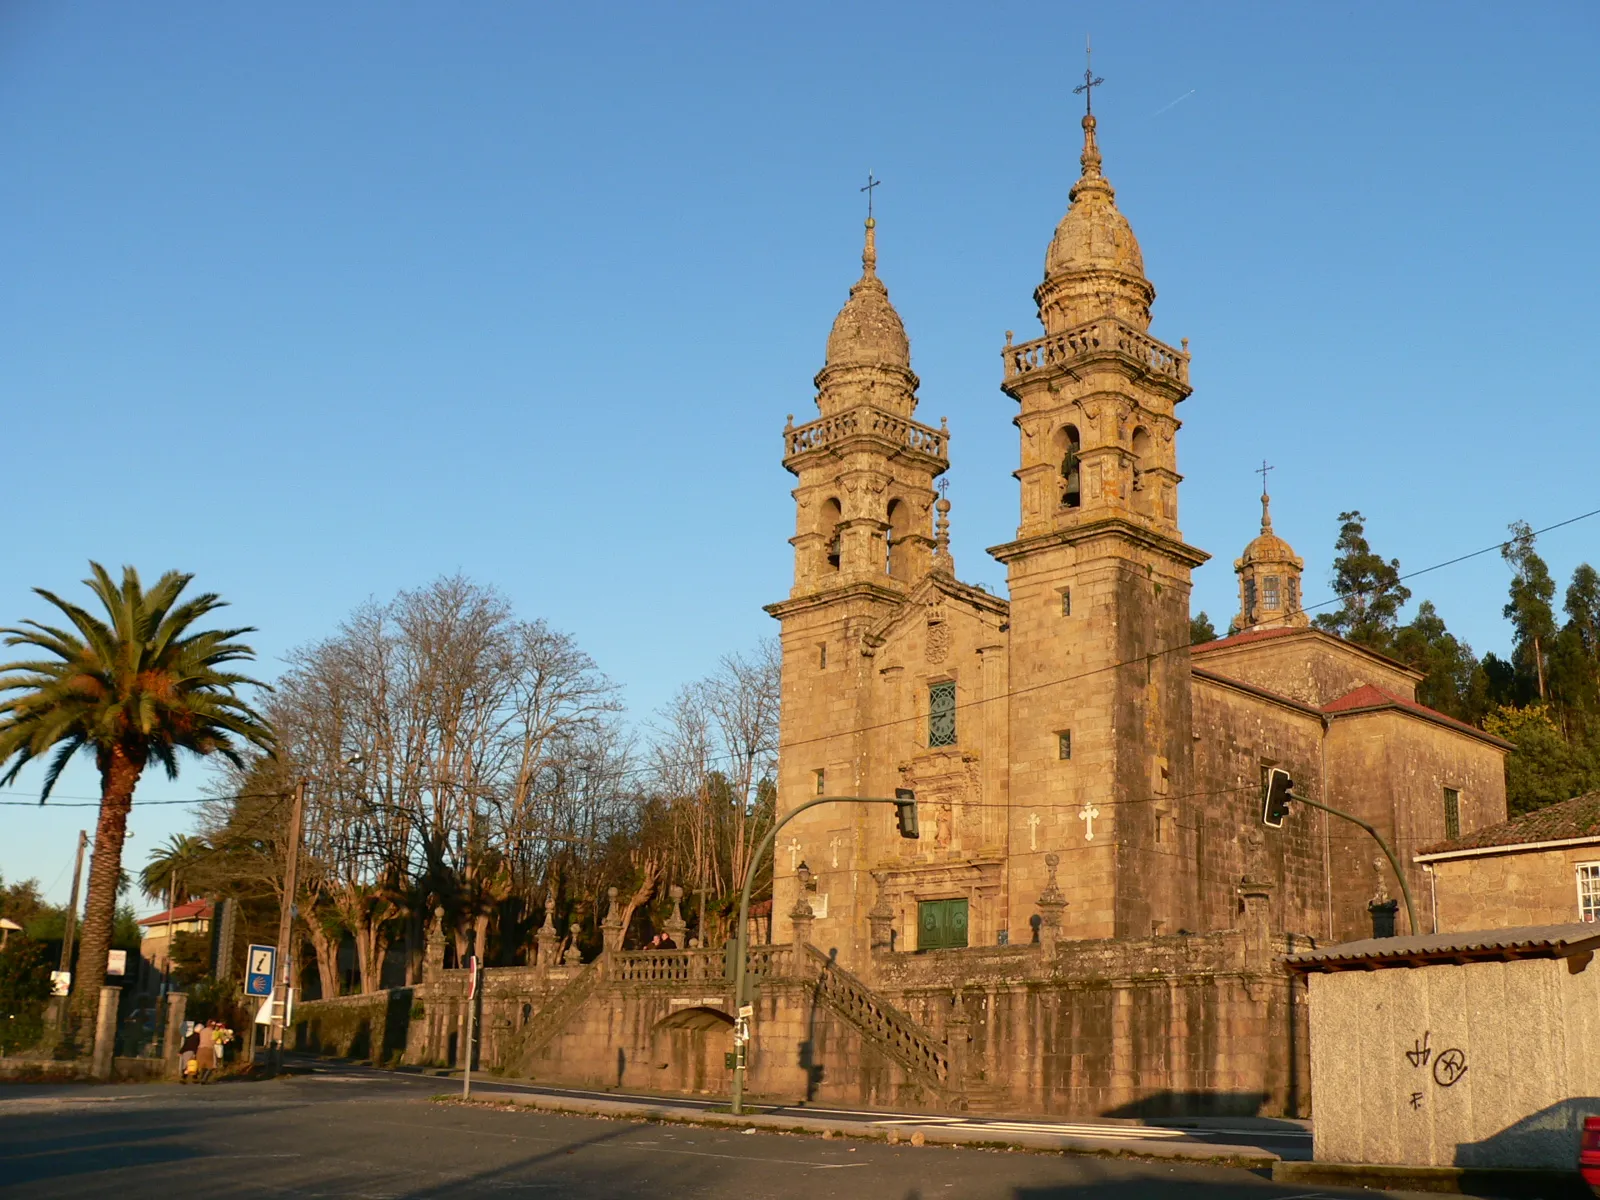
(832, 515)
(893, 558)
(1141, 456)
(1069, 446)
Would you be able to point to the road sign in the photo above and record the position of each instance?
(60, 982)
(116, 962)
(261, 964)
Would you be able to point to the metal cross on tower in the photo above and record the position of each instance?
(1090, 80)
(1262, 471)
(871, 183)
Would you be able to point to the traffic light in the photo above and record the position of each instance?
(1277, 794)
(905, 811)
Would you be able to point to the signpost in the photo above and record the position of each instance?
(472, 1008)
(116, 962)
(260, 968)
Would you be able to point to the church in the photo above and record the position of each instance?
(1067, 741)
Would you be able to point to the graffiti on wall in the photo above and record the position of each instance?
(1447, 1066)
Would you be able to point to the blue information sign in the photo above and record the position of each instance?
(260, 969)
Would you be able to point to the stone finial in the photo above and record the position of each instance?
(1052, 904)
(547, 939)
(433, 956)
(677, 928)
(611, 927)
(802, 917)
(880, 917)
(572, 956)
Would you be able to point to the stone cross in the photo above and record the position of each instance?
(794, 853)
(1087, 814)
(833, 844)
(1033, 831)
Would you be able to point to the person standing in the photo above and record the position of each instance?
(187, 1049)
(206, 1052)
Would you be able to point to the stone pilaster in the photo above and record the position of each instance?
(880, 917)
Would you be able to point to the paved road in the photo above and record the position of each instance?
(365, 1134)
(1286, 1139)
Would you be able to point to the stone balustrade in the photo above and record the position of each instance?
(870, 422)
(1105, 334)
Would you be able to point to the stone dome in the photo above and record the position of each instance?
(1268, 547)
(867, 329)
(1094, 235)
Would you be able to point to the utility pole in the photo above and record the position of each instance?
(472, 1025)
(166, 966)
(280, 993)
(72, 911)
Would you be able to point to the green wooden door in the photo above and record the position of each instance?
(941, 924)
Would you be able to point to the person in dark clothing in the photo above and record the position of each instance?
(187, 1050)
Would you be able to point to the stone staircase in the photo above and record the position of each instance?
(925, 1057)
(551, 1019)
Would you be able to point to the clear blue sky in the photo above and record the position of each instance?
(319, 301)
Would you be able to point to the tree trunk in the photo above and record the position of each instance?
(119, 775)
(325, 945)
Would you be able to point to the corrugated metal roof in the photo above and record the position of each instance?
(1525, 941)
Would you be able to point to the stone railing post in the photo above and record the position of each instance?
(802, 917)
(177, 1007)
(880, 917)
(547, 940)
(1052, 904)
(611, 930)
(105, 1034)
(433, 954)
(677, 928)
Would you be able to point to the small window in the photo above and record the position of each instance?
(1064, 744)
(1270, 590)
(942, 714)
(822, 657)
(1291, 589)
(821, 780)
(1250, 599)
(1589, 891)
(1066, 602)
(1452, 813)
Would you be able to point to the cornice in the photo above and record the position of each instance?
(1191, 556)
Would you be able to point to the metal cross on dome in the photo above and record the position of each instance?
(1090, 79)
(1262, 471)
(871, 183)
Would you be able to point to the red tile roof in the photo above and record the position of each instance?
(1570, 819)
(194, 910)
(1370, 698)
(1250, 635)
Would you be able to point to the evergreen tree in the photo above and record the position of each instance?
(1201, 630)
(1369, 589)
(1456, 684)
(1529, 610)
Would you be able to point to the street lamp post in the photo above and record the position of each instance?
(904, 799)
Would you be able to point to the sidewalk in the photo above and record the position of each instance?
(1116, 1140)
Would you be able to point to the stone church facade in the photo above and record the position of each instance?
(1072, 719)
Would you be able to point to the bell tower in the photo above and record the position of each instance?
(864, 539)
(1099, 581)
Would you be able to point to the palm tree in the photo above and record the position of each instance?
(139, 686)
(177, 859)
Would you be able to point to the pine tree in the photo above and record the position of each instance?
(1529, 609)
(1369, 589)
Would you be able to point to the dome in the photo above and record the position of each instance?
(867, 329)
(1268, 547)
(1093, 236)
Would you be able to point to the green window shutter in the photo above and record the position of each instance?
(942, 714)
(941, 924)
